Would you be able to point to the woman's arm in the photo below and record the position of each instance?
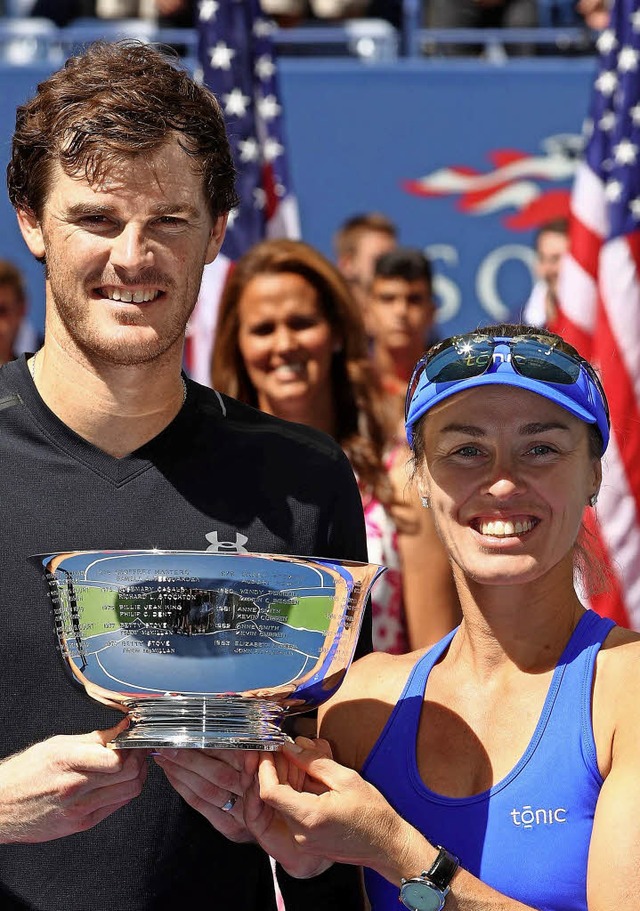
(306, 808)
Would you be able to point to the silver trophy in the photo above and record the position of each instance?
(204, 649)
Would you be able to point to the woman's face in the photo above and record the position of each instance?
(508, 474)
(287, 344)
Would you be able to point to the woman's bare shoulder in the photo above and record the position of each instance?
(615, 694)
(355, 716)
(620, 651)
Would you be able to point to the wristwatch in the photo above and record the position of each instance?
(428, 891)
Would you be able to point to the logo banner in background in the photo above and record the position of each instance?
(599, 292)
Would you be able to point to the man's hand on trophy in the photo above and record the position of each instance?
(210, 781)
(67, 784)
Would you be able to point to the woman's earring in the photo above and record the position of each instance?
(593, 499)
(426, 502)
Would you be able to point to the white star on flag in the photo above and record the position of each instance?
(613, 190)
(265, 67)
(207, 10)
(249, 149)
(272, 148)
(608, 121)
(625, 152)
(634, 205)
(635, 20)
(259, 197)
(606, 42)
(268, 107)
(221, 55)
(607, 82)
(635, 114)
(627, 60)
(235, 103)
(262, 28)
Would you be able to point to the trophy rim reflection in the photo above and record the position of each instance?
(282, 647)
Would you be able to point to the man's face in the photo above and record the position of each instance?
(11, 314)
(400, 315)
(124, 255)
(358, 267)
(551, 247)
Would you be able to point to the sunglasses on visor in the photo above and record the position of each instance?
(534, 356)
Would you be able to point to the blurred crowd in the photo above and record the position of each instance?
(435, 13)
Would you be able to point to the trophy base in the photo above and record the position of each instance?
(203, 722)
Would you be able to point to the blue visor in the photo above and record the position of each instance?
(538, 363)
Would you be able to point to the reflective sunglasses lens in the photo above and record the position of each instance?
(538, 361)
(460, 361)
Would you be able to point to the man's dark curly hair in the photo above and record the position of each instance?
(113, 101)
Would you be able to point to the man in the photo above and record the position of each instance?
(400, 314)
(551, 243)
(12, 309)
(358, 242)
(122, 179)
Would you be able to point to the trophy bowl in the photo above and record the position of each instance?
(204, 649)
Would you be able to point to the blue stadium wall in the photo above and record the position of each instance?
(359, 134)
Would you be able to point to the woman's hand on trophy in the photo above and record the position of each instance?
(210, 781)
(269, 826)
(307, 811)
(67, 784)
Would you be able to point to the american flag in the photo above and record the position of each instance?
(237, 60)
(599, 291)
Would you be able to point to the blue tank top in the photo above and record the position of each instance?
(528, 836)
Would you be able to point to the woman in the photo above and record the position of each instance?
(290, 341)
(498, 769)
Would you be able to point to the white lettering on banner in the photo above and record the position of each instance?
(527, 817)
(447, 291)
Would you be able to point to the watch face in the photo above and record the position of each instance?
(420, 896)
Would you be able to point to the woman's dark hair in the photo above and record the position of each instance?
(361, 424)
(110, 102)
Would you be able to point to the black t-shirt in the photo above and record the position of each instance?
(221, 475)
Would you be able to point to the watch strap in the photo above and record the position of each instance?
(442, 870)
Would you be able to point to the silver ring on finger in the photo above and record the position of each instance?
(230, 804)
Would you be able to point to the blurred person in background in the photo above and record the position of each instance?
(595, 13)
(13, 307)
(400, 314)
(167, 13)
(482, 13)
(357, 243)
(290, 342)
(551, 243)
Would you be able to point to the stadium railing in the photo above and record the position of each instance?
(29, 40)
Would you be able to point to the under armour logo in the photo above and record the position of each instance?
(229, 547)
